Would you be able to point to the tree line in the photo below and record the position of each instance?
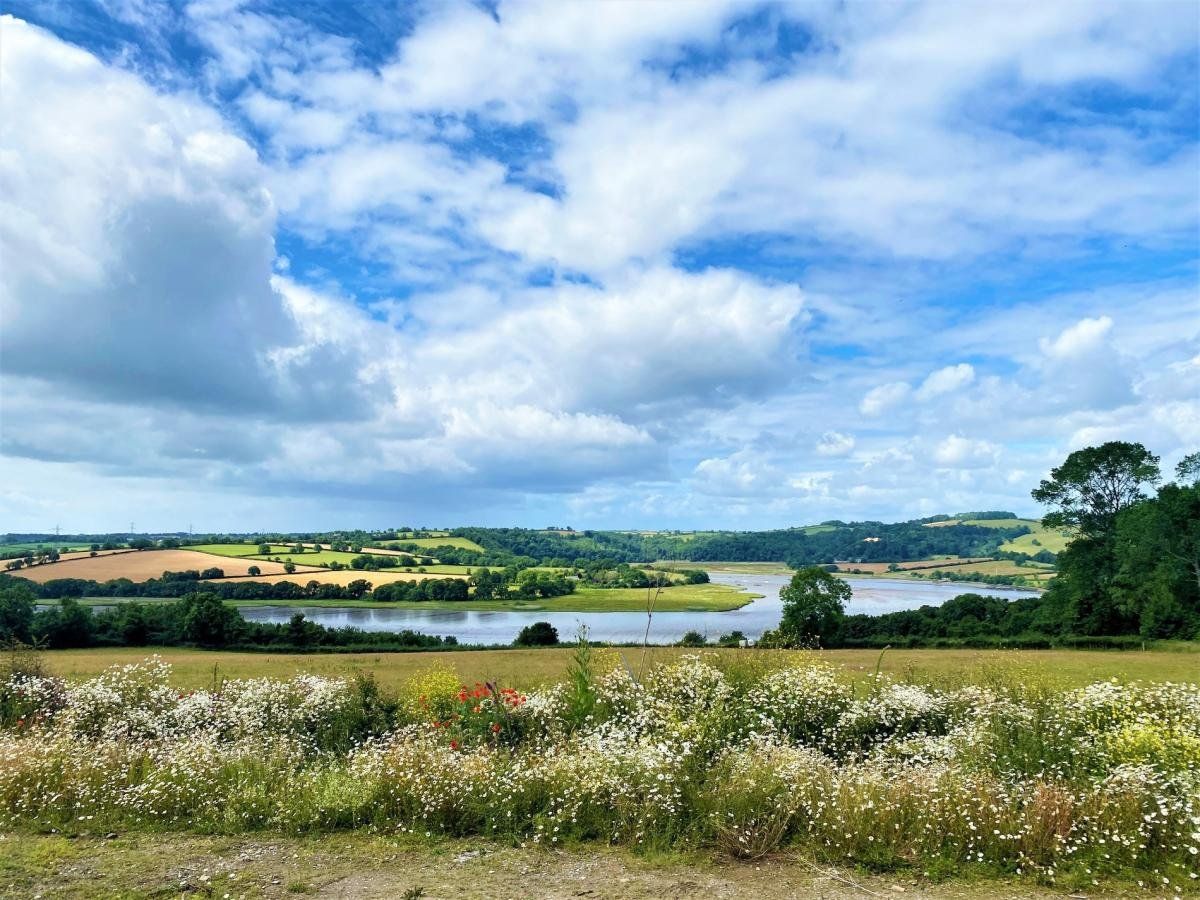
(1130, 573)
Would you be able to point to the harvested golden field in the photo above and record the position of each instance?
(304, 574)
(139, 565)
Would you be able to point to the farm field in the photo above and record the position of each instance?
(733, 568)
(310, 557)
(87, 554)
(236, 550)
(356, 865)
(61, 546)
(141, 565)
(1048, 539)
(431, 542)
(526, 669)
(881, 568)
(342, 576)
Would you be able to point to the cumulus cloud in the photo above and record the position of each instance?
(139, 240)
(958, 452)
(551, 258)
(884, 398)
(1085, 367)
(946, 381)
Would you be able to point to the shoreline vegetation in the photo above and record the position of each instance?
(679, 598)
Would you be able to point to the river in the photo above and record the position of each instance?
(871, 595)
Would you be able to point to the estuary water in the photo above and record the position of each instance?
(871, 595)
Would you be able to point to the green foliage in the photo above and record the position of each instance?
(16, 612)
(814, 606)
(1094, 484)
(581, 683)
(538, 634)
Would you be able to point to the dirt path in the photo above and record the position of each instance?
(357, 867)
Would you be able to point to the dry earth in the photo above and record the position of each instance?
(356, 867)
(143, 564)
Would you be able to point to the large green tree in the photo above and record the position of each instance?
(16, 613)
(1089, 493)
(814, 606)
(1094, 484)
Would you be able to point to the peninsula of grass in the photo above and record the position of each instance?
(679, 598)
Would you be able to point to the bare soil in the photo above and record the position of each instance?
(357, 867)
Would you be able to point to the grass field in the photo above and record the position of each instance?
(235, 550)
(1048, 539)
(733, 568)
(143, 564)
(530, 668)
(681, 598)
(38, 545)
(459, 542)
(344, 576)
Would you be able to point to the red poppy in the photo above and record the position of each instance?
(495, 728)
(454, 745)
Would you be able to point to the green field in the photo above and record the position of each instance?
(309, 557)
(237, 550)
(459, 542)
(61, 546)
(530, 668)
(1048, 539)
(680, 598)
(733, 568)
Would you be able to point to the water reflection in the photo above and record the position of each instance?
(870, 595)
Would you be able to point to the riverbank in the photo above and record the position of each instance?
(679, 598)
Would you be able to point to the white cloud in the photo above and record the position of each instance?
(957, 452)
(834, 443)
(424, 186)
(946, 381)
(1084, 367)
(884, 398)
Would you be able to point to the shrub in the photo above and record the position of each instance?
(539, 634)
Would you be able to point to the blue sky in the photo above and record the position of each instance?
(303, 265)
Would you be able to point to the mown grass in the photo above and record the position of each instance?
(528, 668)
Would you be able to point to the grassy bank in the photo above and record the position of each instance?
(680, 598)
(535, 667)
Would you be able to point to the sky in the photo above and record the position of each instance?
(300, 266)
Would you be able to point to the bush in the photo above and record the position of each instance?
(539, 634)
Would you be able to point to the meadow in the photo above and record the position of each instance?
(679, 598)
(534, 668)
(1002, 769)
